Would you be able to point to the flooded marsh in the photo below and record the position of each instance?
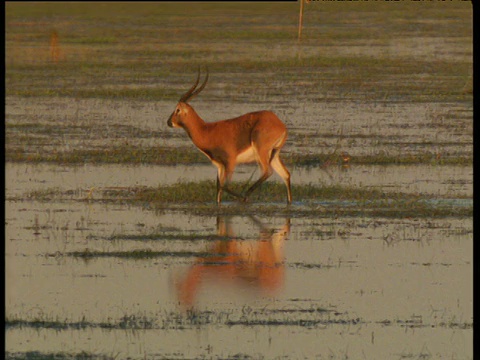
(115, 247)
(106, 272)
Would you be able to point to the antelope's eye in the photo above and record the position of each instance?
(178, 110)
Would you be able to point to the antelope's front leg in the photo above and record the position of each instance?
(220, 180)
(219, 191)
(223, 177)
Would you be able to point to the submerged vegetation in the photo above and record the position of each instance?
(290, 315)
(309, 200)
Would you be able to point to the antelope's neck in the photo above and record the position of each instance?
(196, 130)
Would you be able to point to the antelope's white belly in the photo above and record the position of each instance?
(247, 156)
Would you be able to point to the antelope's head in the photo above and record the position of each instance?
(183, 111)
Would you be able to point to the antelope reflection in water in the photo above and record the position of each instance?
(258, 264)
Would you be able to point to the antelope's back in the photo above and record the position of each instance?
(238, 133)
(263, 118)
(269, 122)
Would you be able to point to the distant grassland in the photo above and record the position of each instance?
(150, 50)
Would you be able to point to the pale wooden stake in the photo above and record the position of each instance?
(300, 21)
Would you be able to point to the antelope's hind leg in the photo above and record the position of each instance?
(263, 159)
(281, 170)
(276, 164)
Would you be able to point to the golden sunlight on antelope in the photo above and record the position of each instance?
(258, 264)
(254, 137)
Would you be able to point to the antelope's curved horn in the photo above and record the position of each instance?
(196, 92)
(188, 94)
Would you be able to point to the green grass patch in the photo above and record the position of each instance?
(205, 191)
(132, 254)
(115, 155)
(425, 158)
(176, 236)
(37, 355)
(345, 77)
(308, 200)
(162, 155)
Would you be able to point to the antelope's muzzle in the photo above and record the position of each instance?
(169, 121)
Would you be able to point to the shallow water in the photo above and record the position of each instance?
(344, 286)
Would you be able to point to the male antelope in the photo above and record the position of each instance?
(256, 136)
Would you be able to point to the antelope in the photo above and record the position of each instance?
(254, 137)
(257, 263)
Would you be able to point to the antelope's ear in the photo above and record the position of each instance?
(182, 108)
